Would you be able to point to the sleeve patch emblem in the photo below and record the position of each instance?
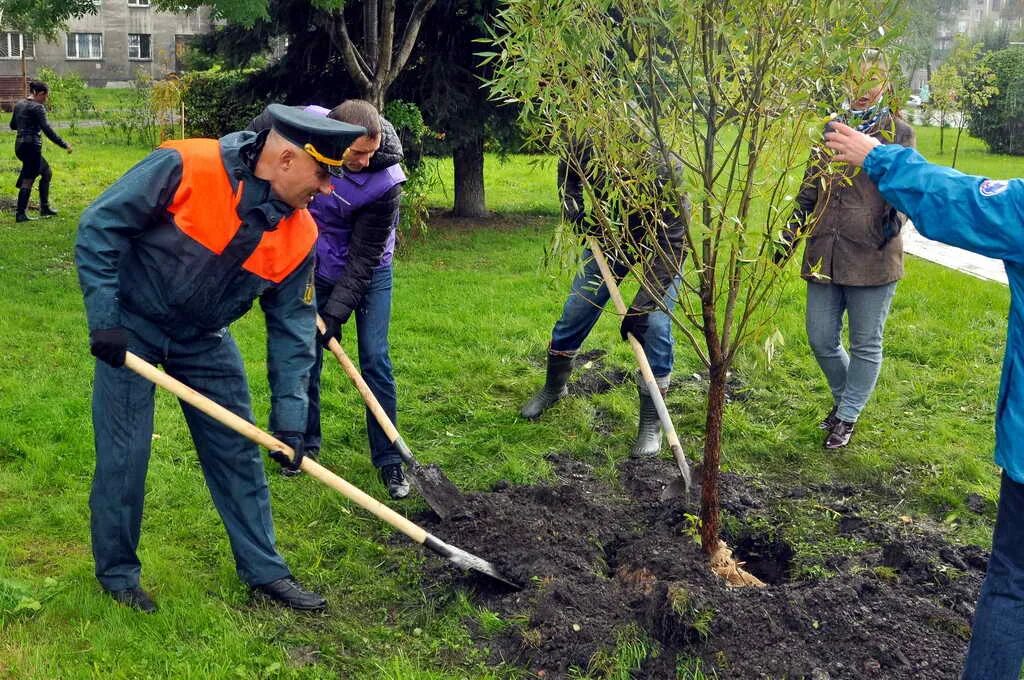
(993, 187)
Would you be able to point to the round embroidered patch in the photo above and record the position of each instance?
(993, 187)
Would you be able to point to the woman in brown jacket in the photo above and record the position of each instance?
(853, 257)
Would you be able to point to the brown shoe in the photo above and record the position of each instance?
(829, 421)
(840, 435)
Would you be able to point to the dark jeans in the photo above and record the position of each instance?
(373, 318)
(122, 412)
(997, 637)
(583, 307)
(32, 163)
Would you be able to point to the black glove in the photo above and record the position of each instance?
(634, 322)
(109, 345)
(294, 441)
(891, 226)
(784, 250)
(332, 329)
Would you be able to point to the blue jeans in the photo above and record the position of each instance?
(588, 297)
(997, 637)
(122, 413)
(851, 377)
(373, 318)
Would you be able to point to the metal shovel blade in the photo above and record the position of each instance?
(680, 486)
(467, 561)
(436, 489)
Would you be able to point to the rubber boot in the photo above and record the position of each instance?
(20, 215)
(559, 368)
(648, 433)
(44, 199)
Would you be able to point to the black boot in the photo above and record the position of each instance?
(288, 592)
(648, 433)
(44, 199)
(136, 598)
(20, 215)
(559, 368)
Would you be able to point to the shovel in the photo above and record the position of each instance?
(432, 484)
(456, 556)
(679, 486)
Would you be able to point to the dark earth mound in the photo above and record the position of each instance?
(608, 570)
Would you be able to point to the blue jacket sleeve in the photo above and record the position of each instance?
(127, 208)
(291, 331)
(973, 213)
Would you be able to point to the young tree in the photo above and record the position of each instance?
(963, 83)
(728, 91)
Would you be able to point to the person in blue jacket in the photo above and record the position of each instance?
(168, 257)
(984, 216)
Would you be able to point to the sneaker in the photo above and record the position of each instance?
(287, 591)
(829, 421)
(22, 217)
(394, 479)
(47, 211)
(840, 435)
(136, 598)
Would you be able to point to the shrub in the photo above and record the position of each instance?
(69, 98)
(1000, 123)
(408, 122)
(218, 102)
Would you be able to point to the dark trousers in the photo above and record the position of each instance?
(373, 320)
(233, 467)
(997, 637)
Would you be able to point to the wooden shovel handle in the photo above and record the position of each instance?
(641, 358)
(264, 439)
(364, 390)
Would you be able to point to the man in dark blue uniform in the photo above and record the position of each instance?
(984, 216)
(168, 257)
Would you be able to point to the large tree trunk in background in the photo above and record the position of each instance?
(709, 506)
(468, 161)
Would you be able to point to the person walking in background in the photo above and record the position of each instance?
(853, 257)
(29, 119)
(983, 216)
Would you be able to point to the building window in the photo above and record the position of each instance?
(85, 45)
(138, 46)
(138, 3)
(13, 45)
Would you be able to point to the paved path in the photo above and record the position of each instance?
(954, 258)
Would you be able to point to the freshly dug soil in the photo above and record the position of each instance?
(603, 564)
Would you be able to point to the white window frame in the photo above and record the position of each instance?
(149, 44)
(138, 3)
(8, 38)
(77, 55)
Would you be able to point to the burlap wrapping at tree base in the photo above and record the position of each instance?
(726, 566)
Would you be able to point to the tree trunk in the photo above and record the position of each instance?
(956, 144)
(709, 508)
(942, 130)
(468, 161)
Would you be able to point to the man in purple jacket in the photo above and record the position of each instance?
(353, 271)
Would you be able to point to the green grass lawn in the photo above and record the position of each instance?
(472, 313)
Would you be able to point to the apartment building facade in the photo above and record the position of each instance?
(108, 48)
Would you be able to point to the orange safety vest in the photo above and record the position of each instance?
(206, 209)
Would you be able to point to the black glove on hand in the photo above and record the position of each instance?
(109, 345)
(785, 250)
(293, 440)
(634, 322)
(891, 226)
(332, 329)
